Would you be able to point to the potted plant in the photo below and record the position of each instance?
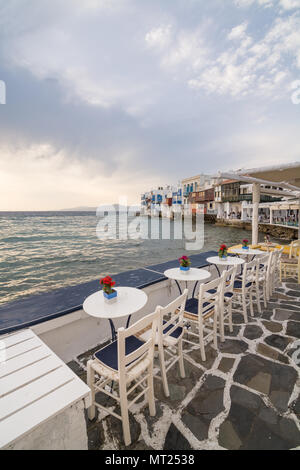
(108, 284)
(245, 244)
(223, 250)
(185, 263)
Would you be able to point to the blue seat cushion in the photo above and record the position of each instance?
(214, 291)
(176, 333)
(109, 354)
(238, 284)
(191, 306)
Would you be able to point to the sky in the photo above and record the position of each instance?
(114, 97)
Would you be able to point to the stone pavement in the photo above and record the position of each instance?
(245, 396)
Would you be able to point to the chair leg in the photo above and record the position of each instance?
(201, 341)
(258, 298)
(221, 320)
(90, 382)
(151, 400)
(245, 309)
(265, 295)
(251, 304)
(124, 413)
(181, 363)
(163, 370)
(230, 316)
(216, 317)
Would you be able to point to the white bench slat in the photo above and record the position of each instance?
(26, 395)
(11, 340)
(22, 377)
(26, 359)
(21, 348)
(41, 411)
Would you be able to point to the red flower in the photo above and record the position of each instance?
(107, 282)
(223, 247)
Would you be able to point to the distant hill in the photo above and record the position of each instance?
(80, 209)
(101, 208)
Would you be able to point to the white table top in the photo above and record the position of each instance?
(230, 261)
(193, 274)
(251, 251)
(35, 385)
(128, 301)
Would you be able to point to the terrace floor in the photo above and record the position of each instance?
(245, 396)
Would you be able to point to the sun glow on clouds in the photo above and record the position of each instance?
(43, 174)
(141, 94)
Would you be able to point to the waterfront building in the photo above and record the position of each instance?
(157, 200)
(194, 184)
(283, 182)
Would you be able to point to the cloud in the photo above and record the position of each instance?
(110, 96)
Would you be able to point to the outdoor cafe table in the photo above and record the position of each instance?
(230, 261)
(248, 253)
(192, 275)
(129, 300)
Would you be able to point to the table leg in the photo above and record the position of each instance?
(179, 288)
(216, 266)
(113, 330)
(128, 322)
(195, 289)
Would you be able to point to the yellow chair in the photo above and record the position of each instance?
(290, 266)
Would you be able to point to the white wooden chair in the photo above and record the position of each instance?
(276, 268)
(126, 360)
(226, 297)
(243, 289)
(261, 281)
(204, 313)
(169, 338)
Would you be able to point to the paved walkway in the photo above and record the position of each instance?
(245, 396)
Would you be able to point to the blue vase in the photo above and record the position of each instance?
(110, 296)
(184, 268)
(245, 247)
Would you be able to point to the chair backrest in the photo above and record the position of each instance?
(146, 350)
(210, 294)
(249, 273)
(174, 311)
(278, 254)
(294, 249)
(229, 275)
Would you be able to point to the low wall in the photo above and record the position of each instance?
(276, 231)
(66, 431)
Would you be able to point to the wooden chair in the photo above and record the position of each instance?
(261, 279)
(290, 268)
(243, 289)
(226, 297)
(200, 311)
(126, 360)
(169, 338)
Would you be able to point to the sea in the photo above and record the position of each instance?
(43, 251)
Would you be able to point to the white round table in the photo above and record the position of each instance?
(129, 300)
(230, 261)
(192, 275)
(251, 251)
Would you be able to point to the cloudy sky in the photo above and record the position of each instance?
(111, 97)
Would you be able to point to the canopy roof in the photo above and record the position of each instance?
(285, 176)
(288, 175)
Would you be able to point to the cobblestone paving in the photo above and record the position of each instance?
(245, 396)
